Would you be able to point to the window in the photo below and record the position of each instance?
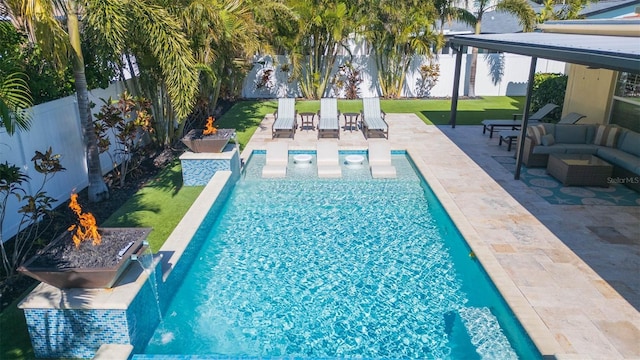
(625, 109)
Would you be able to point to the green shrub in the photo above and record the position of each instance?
(549, 88)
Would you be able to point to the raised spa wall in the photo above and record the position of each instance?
(74, 323)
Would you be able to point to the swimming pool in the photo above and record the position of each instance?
(351, 267)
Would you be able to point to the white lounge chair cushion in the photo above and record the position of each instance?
(286, 115)
(328, 114)
(372, 115)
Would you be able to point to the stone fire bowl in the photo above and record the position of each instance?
(105, 263)
(198, 143)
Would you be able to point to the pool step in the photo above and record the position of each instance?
(485, 333)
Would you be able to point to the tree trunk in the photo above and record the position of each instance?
(97, 188)
(474, 60)
(472, 72)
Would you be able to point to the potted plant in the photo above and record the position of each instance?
(86, 256)
(210, 139)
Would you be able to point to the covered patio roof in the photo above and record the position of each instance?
(621, 53)
(610, 52)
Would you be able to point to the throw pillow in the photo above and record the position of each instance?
(548, 140)
(606, 136)
(537, 132)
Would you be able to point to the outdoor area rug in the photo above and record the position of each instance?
(555, 193)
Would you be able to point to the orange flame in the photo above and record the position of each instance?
(88, 228)
(209, 129)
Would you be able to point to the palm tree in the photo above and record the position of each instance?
(397, 31)
(157, 32)
(520, 8)
(14, 98)
(561, 10)
(448, 11)
(319, 33)
(224, 35)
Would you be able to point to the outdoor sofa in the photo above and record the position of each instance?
(616, 145)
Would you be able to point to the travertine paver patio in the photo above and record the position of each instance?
(575, 291)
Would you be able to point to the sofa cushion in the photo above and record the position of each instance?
(620, 158)
(607, 135)
(629, 141)
(570, 134)
(581, 149)
(553, 149)
(536, 132)
(547, 140)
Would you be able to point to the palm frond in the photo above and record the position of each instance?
(15, 97)
(170, 48)
(522, 10)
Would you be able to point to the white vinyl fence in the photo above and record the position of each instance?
(496, 75)
(55, 124)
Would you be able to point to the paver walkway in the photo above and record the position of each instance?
(572, 282)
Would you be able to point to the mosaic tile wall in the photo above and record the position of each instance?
(75, 333)
(198, 172)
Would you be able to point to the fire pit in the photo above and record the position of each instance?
(71, 261)
(210, 139)
(62, 265)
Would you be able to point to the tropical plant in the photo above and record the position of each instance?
(347, 81)
(114, 25)
(429, 74)
(549, 88)
(397, 31)
(129, 121)
(45, 80)
(322, 28)
(448, 11)
(520, 8)
(561, 10)
(34, 221)
(15, 97)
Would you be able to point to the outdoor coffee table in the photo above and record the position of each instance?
(579, 169)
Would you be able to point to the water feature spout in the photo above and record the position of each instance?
(234, 136)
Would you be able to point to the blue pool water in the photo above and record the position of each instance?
(351, 267)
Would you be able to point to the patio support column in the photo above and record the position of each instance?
(525, 117)
(456, 85)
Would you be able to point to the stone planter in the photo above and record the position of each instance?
(61, 265)
(198, 143)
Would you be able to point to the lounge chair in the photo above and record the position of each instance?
(328, 160)
(571, 118)
(328, 118)
(285, 118)
(373, 122)
(277, 160)
(515, 124)
(380, 160)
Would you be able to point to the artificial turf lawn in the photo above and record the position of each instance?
(15, 343)
(160, 204)
(163, 202)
